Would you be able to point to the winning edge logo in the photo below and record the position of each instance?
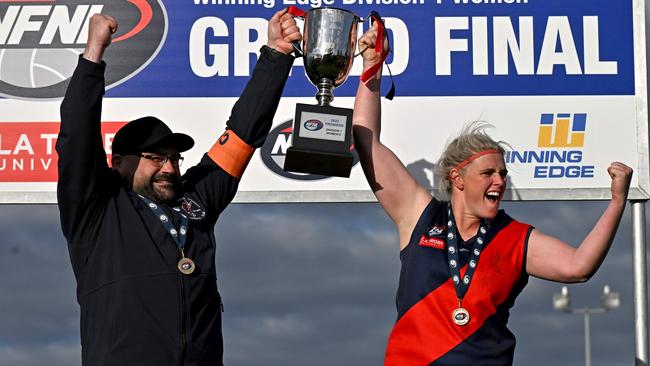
(275, 148)
(560, 148)
(41, 40)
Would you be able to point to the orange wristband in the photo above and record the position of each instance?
(231, 153)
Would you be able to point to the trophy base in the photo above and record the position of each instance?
(321, 140)
(318, 162)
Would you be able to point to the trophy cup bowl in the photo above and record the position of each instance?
(329, 41)
(322, 134)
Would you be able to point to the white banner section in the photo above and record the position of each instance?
(561, 146)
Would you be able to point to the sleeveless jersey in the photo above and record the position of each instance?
(425, 333)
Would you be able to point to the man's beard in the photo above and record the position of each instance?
(160, 195)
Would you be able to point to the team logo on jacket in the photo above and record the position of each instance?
(191, 209)
(40, 42)
(275, 148)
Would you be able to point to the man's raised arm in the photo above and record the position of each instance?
(252, 115)
(82, 160)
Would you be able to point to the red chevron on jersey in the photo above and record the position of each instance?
(426, 331)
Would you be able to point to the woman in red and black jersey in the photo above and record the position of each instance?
(464, 261)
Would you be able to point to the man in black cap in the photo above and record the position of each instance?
(133, 146)
(140, 235)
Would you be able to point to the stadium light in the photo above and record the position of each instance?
(610, 301)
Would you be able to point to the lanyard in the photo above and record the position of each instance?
(461, 315)
(185, 265)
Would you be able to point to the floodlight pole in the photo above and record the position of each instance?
(586, 313)
(610, 301)
(587, 339)
(640, 284)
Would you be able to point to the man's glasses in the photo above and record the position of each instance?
(161, 160)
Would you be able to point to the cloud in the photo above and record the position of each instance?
(53, 354)
(309, 284)
(38, 299)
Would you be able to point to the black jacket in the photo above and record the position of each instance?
(136, 307)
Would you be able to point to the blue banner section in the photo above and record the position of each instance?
(441, 48)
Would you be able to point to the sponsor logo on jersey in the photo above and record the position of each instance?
(436, 243)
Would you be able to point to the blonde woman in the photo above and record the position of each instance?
(464, 261)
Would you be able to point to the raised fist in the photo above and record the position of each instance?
(282, 31)
(621, 175)
(100, 31)
(367, 46)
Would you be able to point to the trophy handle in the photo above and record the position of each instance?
(297, 49)
(375, 17)
(297, 13)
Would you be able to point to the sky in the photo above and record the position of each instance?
(311, 284)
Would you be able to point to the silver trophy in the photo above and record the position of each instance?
(322, 134)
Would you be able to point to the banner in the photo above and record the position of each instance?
(565, 86)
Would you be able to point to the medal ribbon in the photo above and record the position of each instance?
(296, 11)
(379, 43)
(462, 286)
(374, 69)
(179, 235)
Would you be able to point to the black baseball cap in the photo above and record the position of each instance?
(147, 134)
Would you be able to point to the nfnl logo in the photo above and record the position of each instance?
(275, 148)
(313, 125)
(561, 130)
(564, 132)
(40, 41)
